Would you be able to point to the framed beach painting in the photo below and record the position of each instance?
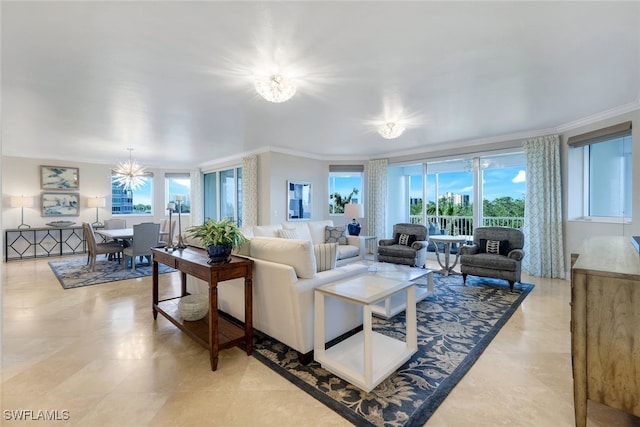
(60, 204)
(59, 178)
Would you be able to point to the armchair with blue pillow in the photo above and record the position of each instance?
(408, 245)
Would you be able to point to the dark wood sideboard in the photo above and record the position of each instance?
(216, 331)
(605, 325)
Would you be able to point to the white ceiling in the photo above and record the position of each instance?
(174, 80)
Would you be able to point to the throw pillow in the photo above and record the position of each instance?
(288, 234)
(335, 235)
(405, 239)
(500, 247)
(326, 256)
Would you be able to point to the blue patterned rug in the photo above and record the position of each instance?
(455, 325)
(74, 272)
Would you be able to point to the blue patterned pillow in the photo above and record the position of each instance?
(335, 235)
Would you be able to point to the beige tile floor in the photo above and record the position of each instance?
(96, 353)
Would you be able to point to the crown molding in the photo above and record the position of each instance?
(607, 114)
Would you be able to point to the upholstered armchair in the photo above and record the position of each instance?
(496, 252)
(408, 246)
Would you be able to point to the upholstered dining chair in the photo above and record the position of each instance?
(114, 224)
(145, 237)
(94, 249)
(496, 252)
(408, 245)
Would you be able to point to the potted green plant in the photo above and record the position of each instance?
(219, 237)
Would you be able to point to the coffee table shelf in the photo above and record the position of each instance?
(366, 358)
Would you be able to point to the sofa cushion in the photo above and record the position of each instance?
(405, 239)
(266, 230)
(326, 256)
(301, 229)
(348, 251)
(316, 229)
(335, 235)
(295, 253)
(500, 247)
(286, 233)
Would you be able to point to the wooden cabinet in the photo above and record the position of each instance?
(605, 325)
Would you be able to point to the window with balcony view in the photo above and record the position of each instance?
(451, 187)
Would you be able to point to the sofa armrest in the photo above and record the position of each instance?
(386, 242)
(360, 243)
(516, 254)
(469, 249)
(420, 244)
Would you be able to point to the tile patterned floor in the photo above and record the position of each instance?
(97, 353)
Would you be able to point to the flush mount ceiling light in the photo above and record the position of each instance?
(390, 130)
(130, 174)
(275, 88)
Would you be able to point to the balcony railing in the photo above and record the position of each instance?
(463, 225)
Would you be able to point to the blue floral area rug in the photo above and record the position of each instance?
(455, 325)
(74, 272)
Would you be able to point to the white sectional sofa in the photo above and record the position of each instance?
(284, 278)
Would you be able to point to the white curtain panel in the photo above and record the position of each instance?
(197, 206)
(376, 197)
(544, 249)
(249, 190)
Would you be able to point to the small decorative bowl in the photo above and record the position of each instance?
(193, 307)
(60, 224)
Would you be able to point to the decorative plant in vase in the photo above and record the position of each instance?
(219, 237)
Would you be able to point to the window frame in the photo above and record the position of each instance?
(347, 172)
(150, 177)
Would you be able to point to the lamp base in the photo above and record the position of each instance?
(23, 225)
(354, 228)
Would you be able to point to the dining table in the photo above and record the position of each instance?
(116, 233)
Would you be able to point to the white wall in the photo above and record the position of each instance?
(21, 176)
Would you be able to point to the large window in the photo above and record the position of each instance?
(451, 187)
(345, 186)
(223, 194)
(178, 184)
(600, 174)
(132, 202)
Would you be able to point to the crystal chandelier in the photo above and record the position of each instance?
(390, 130)
(129, 174)
(275, 88)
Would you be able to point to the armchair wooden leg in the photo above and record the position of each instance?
(464, 278)
(511, 283)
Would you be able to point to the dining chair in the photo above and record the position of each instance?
(114, 224)
(145, 236)
(165, 232)
(94, 249)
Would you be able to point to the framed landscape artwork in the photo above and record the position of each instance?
(60, 204)
(59, 178)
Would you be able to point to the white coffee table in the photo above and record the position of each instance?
(366, 358)
(397, 303)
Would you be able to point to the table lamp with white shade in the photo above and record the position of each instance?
(96, 202)
(22, 202)
(354, 210)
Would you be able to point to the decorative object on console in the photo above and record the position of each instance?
(96, 202)
(170, 207)
(22, 202)
(59, 178)
(130, 174)
(391, 130)
(275, 88)
(193, 307)
(60, 224)
(181, 244)
(219, 237)
(353, 210)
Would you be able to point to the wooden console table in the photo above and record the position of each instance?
(605, 314)
(216, 331)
